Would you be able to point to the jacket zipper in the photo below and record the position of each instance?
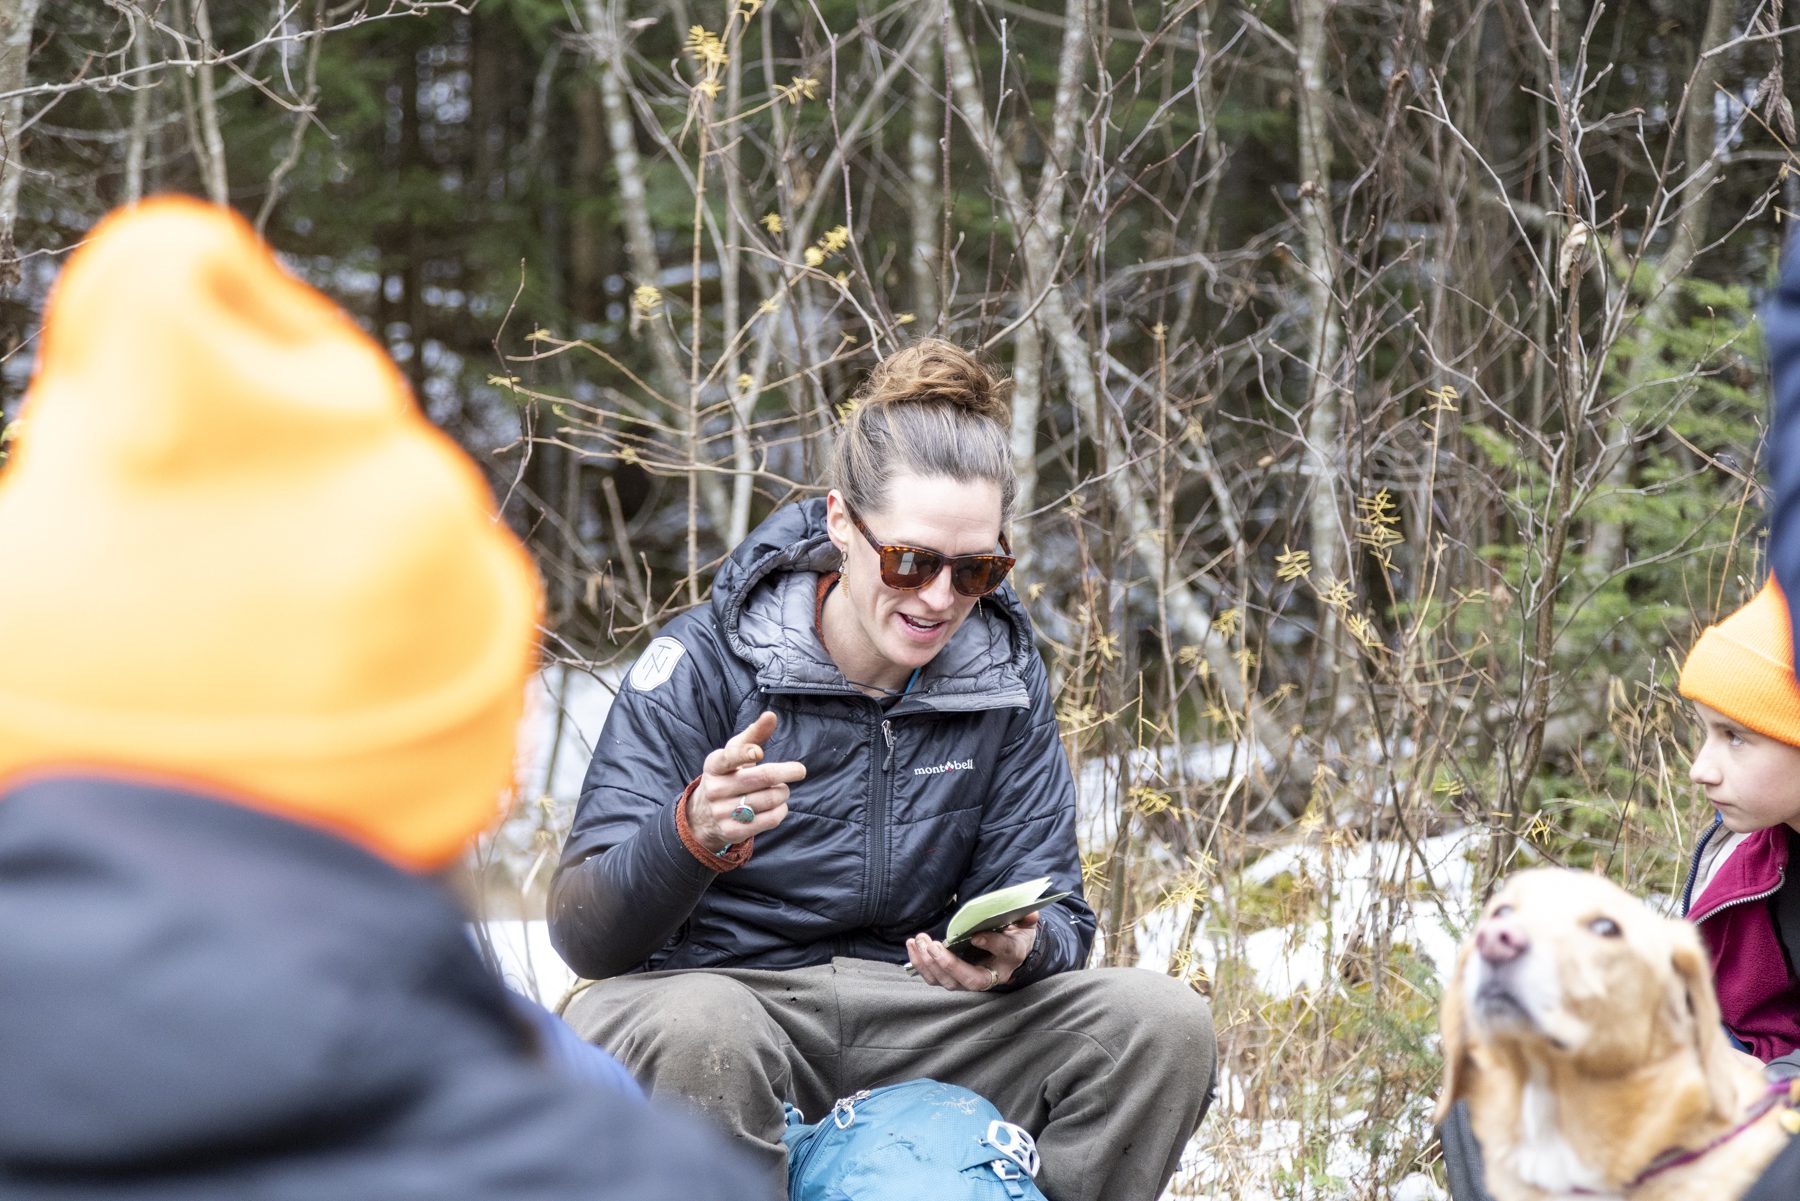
(1780, 879)
(878, 832)
(1687, 892)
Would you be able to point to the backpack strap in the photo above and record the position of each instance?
(1785, 908)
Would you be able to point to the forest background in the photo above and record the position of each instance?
(1388, 400)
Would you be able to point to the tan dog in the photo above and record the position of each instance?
(1583, 1032)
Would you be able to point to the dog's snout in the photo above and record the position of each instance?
(1501, 940)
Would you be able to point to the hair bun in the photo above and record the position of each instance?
(933, 370)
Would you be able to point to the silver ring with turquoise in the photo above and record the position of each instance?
(744, 813)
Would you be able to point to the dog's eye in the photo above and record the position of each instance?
(1501, 911)
(1605, 927)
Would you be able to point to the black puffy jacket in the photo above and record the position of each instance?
(959, 787)
(199, 1001)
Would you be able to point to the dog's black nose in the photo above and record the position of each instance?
(1501, 940)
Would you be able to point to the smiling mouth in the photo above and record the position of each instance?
(920, 624)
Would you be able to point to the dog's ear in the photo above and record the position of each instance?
(1451, 1022)
(1699, 1004)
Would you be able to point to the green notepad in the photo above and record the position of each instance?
(992, 910)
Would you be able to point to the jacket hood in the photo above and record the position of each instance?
(764, 599)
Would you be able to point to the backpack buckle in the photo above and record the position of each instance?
(1016, 1144)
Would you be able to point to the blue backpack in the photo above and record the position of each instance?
(907, 1141)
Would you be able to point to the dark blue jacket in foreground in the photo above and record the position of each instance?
(198, 1001)
(959, 788)
(1781, 320)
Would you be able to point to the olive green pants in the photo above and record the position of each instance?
(1110, 1068)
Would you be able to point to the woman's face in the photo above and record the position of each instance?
(878, 635)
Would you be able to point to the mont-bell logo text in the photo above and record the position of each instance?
(947, 766)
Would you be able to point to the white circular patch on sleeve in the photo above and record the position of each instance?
(656, 664)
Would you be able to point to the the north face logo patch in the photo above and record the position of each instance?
(656, 664)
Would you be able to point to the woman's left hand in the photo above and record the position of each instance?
(1007, 948)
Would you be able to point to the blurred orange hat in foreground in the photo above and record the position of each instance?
(233, 551)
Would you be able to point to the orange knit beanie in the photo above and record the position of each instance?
(1744, 668)
(234, 552)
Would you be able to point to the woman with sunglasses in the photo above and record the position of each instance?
(798, 784)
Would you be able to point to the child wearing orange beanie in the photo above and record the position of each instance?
(1740, 893)
(263, 648)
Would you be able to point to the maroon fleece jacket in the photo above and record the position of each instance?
(1758, 996)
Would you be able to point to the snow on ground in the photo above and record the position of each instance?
(564, 711)
(1265, 1164)
(528, 964)
(1290, 959)
(1099, 782)
(1259, 1160)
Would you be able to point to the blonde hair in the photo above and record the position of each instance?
(931, 408)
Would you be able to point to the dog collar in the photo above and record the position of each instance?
(1785, 1093)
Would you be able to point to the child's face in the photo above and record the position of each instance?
(1751, 779)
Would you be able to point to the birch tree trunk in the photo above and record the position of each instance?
(922, 153)
(201, 100)
(139, 135)
(1028, 406)
(640, 240)
(1327, 540)
(17, 17)
(1028, 358)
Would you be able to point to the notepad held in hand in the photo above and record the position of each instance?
(992, 910)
